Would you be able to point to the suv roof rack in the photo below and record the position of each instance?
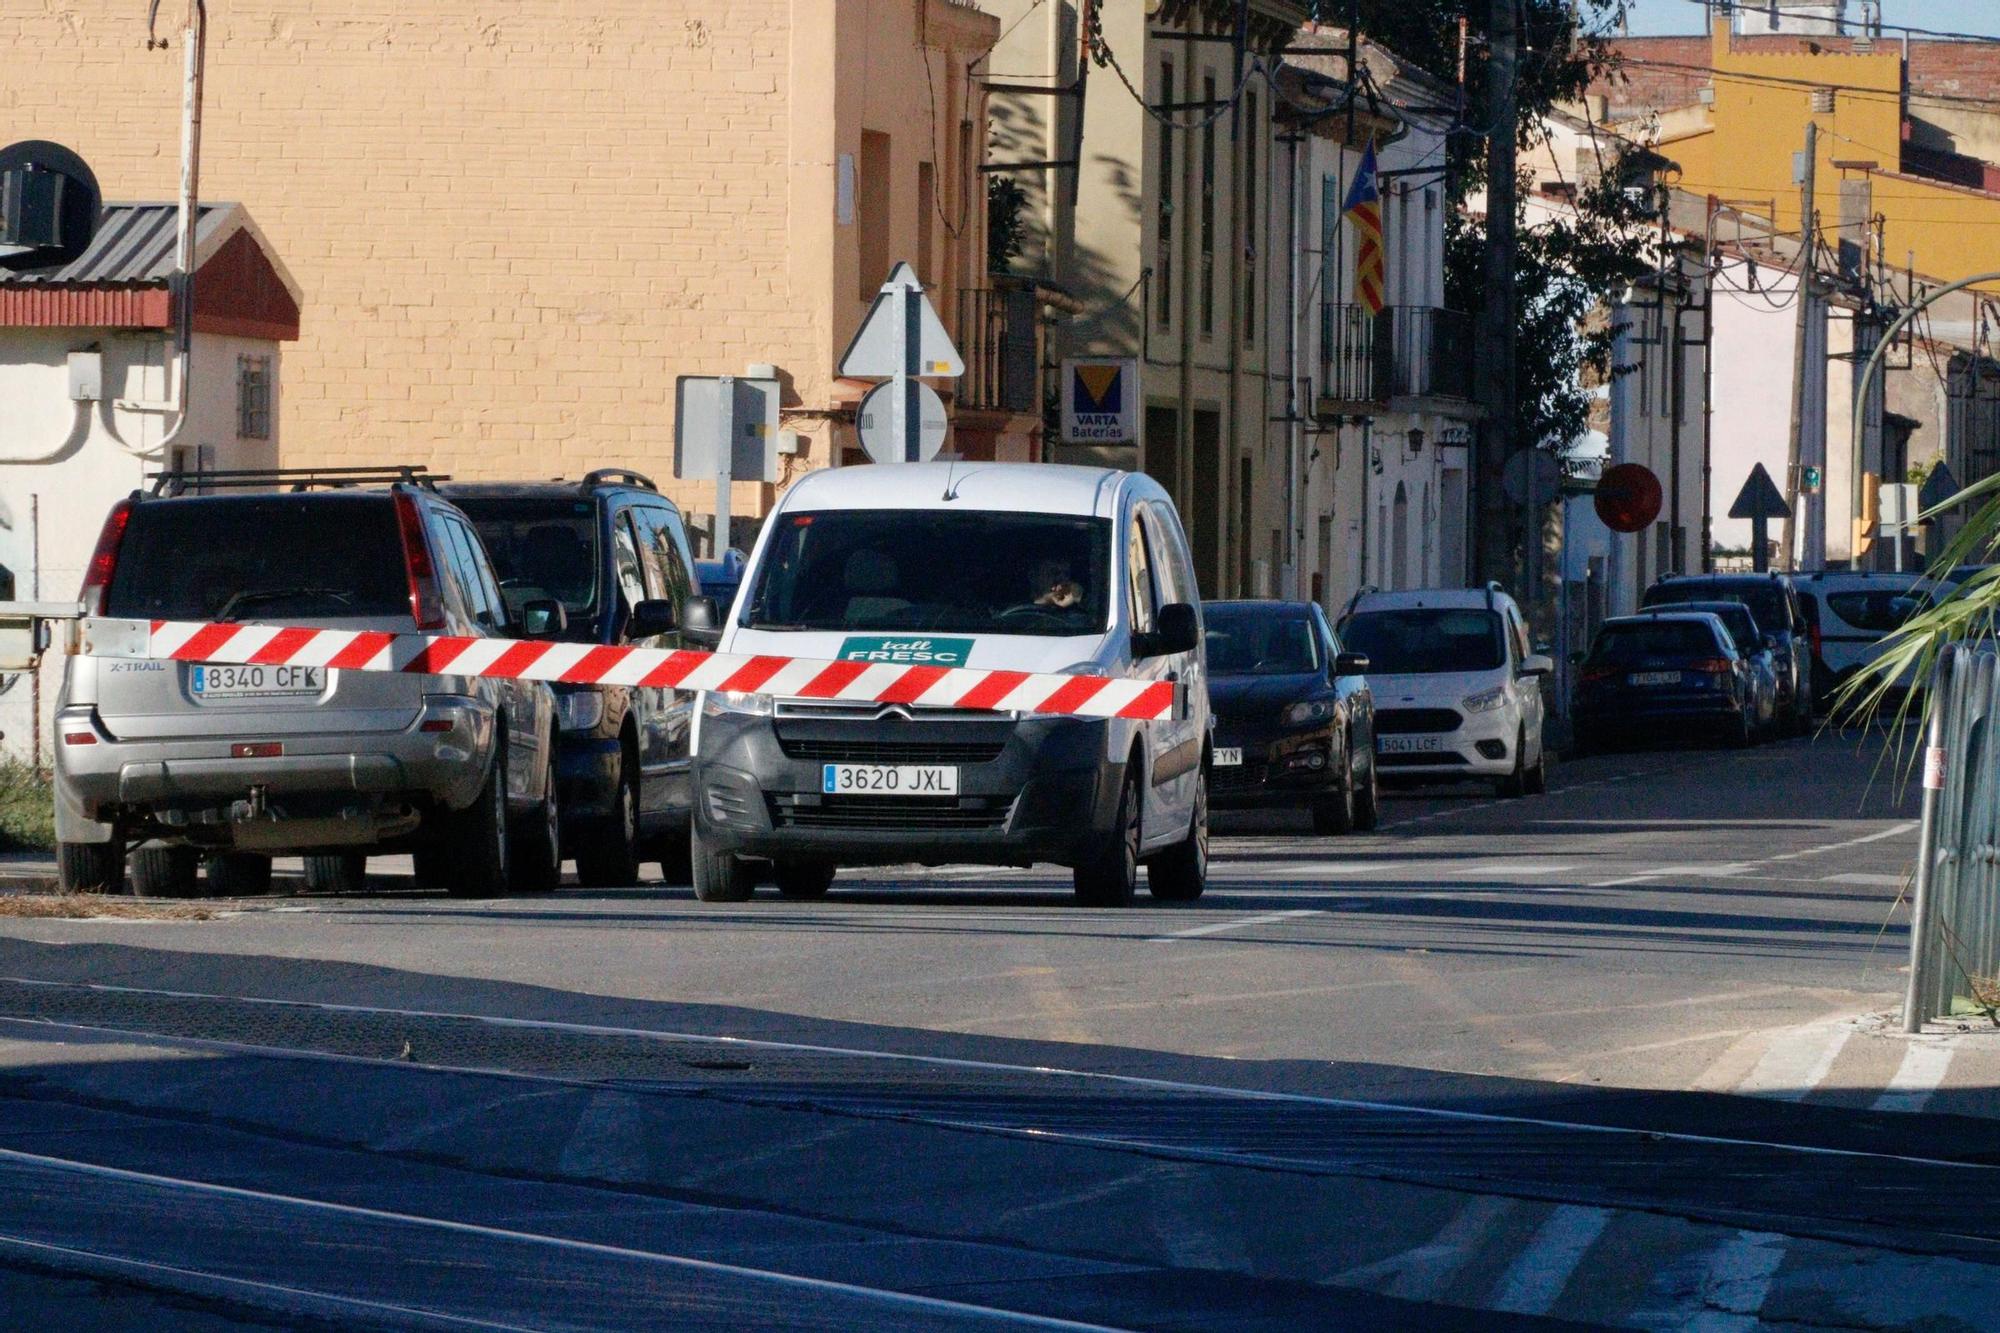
(618, 476)
(178, 481)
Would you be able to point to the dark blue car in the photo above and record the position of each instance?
(1294, 720)
(1664, 676)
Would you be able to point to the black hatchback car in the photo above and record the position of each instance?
(614, 552)
(1661, 677)
(1780, 612)
(1294, 719)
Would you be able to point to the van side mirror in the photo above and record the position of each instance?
(651, 617)
(1536, 664)
(1176, 629)
(701, 621)
(1350, 664)
(544, 618)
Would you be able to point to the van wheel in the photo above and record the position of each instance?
(239, 875)
(1515, 784)
(1536, 780)
(474, 848)
(1112, 876)
(675, 853)
(538, 843)
(607, 850)
(1368, 801)
(341, 873)
(91, 867)
(802, 880)
(165, 872)
(1179, 874)
(719, 876)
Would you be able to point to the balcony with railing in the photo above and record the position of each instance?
(999, 335)
(1368, 359)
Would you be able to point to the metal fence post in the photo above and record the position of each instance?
(1943, 696)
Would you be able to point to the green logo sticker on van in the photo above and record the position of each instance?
(903, 650)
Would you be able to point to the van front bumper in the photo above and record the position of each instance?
(1036, 790)
(1479, 745)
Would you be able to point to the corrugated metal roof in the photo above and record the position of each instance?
(134, 244)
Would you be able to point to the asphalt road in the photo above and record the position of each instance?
(1611, 1056)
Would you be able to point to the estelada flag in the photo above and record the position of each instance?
(1364, 209)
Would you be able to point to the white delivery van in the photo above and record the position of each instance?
(1016, 567)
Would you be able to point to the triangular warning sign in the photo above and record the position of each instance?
(1759, 497)
(878, 348)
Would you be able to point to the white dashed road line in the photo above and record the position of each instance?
(1872, 881)
(1735, 1283)
(1919, 1075)
(1508, 868)
(1534, 1282)
(1242, 923)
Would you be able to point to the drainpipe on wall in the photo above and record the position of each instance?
(1294, 409)
(194, 42)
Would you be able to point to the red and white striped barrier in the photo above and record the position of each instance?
(598, 664)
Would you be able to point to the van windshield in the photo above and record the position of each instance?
(964, 571)
(259, 558)
(1426, 640)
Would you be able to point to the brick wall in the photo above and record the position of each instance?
(514, 224)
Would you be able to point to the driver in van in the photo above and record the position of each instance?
(1053, 585)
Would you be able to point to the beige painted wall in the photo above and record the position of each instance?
(516, 225)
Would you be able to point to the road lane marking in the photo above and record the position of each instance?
(1898, 831)
(39, 1027)
(1508, 868)
(1872, 881)
(1244, 923)
(1309, 869)
(1919, 1075)
(1724, 871)
(1797, 1061)
(1535, 1280)
(1735, 1283)
(1419, 1272)
(798, 1282)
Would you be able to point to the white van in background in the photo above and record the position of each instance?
(1018, 567)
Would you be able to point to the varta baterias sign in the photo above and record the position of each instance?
(1100, 400)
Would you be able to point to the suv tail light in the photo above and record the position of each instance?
(1714, 666)
(1592, 675)
(1813, 630)
(426, 599)
(104, 560)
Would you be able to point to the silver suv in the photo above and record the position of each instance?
(235, 764)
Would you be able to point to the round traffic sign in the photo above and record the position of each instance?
(876, 420)
(1628, 497)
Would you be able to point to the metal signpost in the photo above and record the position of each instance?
(902, 340)
(725, 430)
(1760, 502)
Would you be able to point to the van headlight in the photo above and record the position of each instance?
(1308, 711)
(735, 703)
(579, 710)
(1485, 701)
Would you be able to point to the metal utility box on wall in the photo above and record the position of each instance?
(86, 376)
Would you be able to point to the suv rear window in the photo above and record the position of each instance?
(260, 557)
(1766, 599)
(1619, 644)
(542, 548)
(1880, 609)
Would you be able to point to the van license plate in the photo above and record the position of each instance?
(256, 682)
(1229, 756)
(1410, 744)
(889, 780)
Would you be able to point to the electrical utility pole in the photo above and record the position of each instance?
(1804, 298)
(1495, 365)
